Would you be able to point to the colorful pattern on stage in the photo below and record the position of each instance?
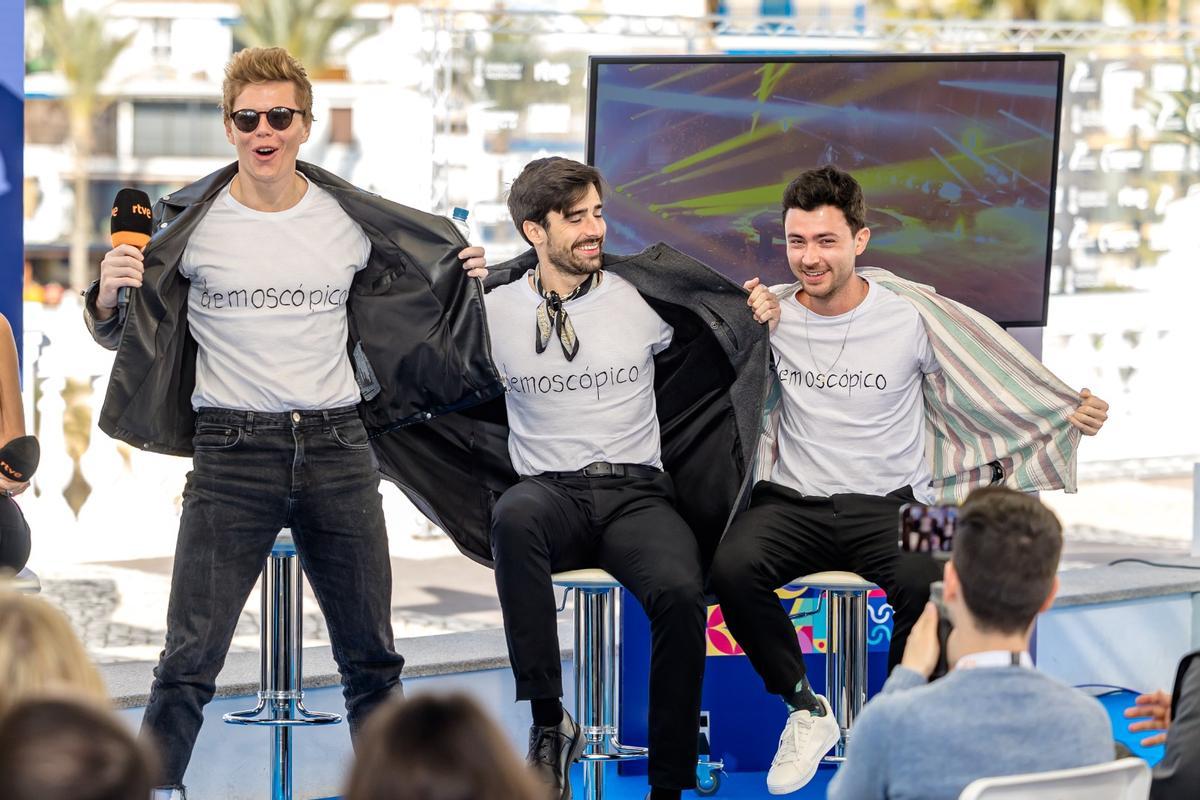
(805, 608)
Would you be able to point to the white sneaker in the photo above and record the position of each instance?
(804, 741)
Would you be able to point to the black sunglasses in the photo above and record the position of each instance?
(279, 118)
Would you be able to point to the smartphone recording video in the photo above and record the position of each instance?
(928, 529)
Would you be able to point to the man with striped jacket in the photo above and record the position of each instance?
(886, 394)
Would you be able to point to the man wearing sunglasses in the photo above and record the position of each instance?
(281, 317)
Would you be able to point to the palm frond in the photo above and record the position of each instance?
(305, 28)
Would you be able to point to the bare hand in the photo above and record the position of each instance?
(122, 266)
(1155, 709)
(12, 488)
(474, 261)
(1091, 414)
(763, 303)
(921, 652)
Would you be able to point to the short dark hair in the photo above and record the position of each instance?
(549, 184)
(437, 746)
(827, 186)
(67, 749)
(1006, 550)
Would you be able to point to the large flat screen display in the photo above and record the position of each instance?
(956, 156)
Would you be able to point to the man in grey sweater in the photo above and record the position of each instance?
(993, 714)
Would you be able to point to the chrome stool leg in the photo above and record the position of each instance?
(845, 660)
(597, 701)
(596, 705)
(281, 694)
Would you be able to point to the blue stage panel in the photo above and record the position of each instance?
(744, 720)
(12, 136)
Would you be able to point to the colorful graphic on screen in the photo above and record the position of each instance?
(956, 157)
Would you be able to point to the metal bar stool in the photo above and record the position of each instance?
(281, 694)
(596, 710)
(596, 703)
(845, 647)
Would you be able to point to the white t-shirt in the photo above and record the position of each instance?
(267, 304)
(853, 423)
(563, 415)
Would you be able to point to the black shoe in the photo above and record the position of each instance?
(552, 750)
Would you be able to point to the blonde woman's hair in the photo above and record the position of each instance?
(264, 65)
(40, 653)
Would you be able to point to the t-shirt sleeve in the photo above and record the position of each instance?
(365, 254)
(663, 336)
(186, 266)
(926, 360)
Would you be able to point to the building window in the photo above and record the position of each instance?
(192, 128)
(161, 36)
(341, 126)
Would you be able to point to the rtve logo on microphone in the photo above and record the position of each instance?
(137, 208)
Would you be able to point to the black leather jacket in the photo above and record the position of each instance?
(710, 387)
(417, 331)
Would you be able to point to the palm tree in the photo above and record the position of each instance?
(83, 53)
(304, 28)
(1149, 10)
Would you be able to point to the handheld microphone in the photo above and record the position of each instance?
(19, 458)
(131, 224)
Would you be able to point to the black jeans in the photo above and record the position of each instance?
(253, 474)
(784, 535)
(629, 527)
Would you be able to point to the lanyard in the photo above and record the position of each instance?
(996, 658)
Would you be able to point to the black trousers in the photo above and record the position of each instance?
(254, 473)
(784, 535)
(629, 527)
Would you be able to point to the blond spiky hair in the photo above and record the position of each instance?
(263, 65)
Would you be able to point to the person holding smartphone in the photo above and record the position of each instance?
(886, 394)
(993, 714)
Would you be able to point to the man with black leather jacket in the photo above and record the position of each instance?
(280, 317)
(633, 389)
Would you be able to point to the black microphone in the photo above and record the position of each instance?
(132, 223)
(19, 458)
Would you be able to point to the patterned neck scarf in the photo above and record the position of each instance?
(552, 315)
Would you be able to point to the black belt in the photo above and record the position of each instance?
(603, 469)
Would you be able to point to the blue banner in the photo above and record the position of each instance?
(12, 136)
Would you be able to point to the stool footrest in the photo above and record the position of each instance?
(251, 717)
(614, 752)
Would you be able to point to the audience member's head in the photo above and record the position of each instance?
(70, 749)
(1003, 571)
(39, 653)
(437, 748)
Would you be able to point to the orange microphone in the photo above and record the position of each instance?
(132, 223)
